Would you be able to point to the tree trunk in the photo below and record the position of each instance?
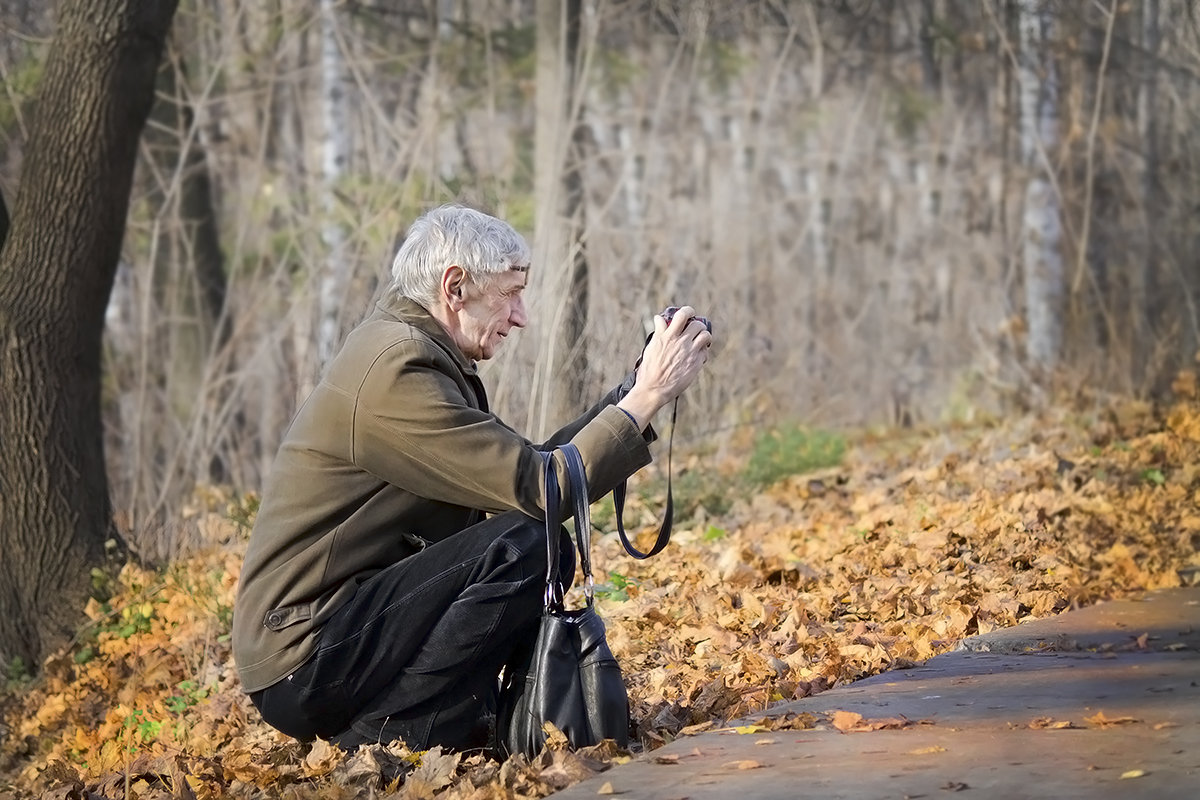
(56, 272)
(559, 197)
(335, 151)
(1145, 303)
(930, 68)
(576, 368)
(3, 222)
(1041, 223)
(188, 323)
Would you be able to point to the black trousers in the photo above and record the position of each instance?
(416, 654)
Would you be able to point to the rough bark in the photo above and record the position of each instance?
(56, 272)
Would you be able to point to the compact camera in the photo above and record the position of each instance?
(669, 314)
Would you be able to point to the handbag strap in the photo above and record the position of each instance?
(583, 516)
(554, 587)
(577, 477)
(664, 529)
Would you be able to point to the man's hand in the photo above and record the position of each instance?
(673, 358)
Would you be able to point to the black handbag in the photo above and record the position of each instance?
(569, 677)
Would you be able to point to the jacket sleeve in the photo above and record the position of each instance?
(568, 431)
(414, 428)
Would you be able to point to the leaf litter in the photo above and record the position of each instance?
(819, 580)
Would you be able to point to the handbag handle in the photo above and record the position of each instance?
(554, 587)
(577, 477)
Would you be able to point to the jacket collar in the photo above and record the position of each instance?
(410, 312)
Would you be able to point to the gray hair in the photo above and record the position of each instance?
(452, 234)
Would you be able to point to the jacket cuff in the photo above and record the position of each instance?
(617, 394)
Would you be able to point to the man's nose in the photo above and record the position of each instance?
(518, 317)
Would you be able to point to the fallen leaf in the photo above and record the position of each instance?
(321, 759)
(667, 758)
(850, 721)
(825, 609)
(606, 788)
(846, 720)
(745, 764)
(1133, 773)
(1099, 720)
(922, 751)
(436, 770)
(555, 739)
(1049, 723)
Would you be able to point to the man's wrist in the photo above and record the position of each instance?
(639, 405)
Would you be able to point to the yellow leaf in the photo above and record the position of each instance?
(1133, 773)
(846, 720)
(1099, 720)
(1048, 723)
(321, 759)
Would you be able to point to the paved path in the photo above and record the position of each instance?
(1103, 702)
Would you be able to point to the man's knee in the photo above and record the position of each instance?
(526, 540)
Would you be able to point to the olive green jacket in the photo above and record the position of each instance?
(394, 449)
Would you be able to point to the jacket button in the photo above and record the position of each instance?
(274, 619)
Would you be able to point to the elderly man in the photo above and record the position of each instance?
(398, 557)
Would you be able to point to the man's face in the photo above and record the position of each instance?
(489, 312)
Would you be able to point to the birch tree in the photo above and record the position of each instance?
(335, 154)
(1041, 222)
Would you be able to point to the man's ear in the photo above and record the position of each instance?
(454, 281)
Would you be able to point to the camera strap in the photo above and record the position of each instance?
(664, 530)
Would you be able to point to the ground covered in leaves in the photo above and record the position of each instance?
(911, 544)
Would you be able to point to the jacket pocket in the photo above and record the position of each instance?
(285, 616)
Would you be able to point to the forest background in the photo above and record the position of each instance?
(895, 212)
